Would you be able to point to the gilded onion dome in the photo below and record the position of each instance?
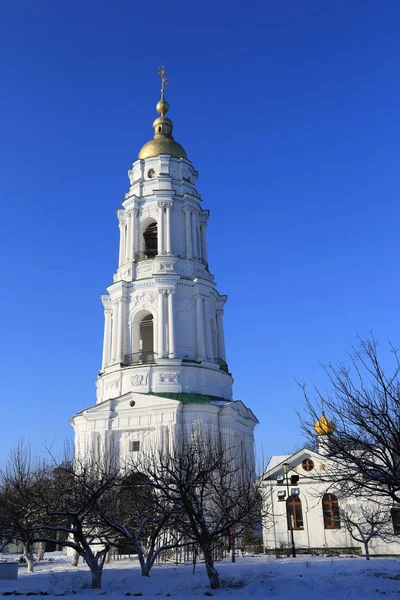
(323, 426)
(162, 142)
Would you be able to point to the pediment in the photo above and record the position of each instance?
(295, 461)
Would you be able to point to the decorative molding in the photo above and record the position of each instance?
(166, 266)
(168, 378)
(113, 384)
(144, 298)
(138, 379)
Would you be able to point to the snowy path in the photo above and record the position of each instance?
(308, 578)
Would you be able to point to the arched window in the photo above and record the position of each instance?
(395, 512)
(150, 241)
(146, 339)
(294, 513)
(330, 509)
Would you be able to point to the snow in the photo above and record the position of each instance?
(258, 576)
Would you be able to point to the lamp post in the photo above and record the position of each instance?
(286, 467)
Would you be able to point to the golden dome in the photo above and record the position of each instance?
(162, 142)
(162, 107)
(323, 426)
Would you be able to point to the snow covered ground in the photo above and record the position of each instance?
(308, 578)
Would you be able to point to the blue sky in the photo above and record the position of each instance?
(290, 112)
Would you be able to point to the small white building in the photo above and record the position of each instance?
(298, 503)
(164, 370)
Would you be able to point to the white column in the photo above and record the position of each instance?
(160, 229)
(221, 335)
(128, 250)
(204, 253)
(193, 230)
(201, 342)
(121, 244)
(207, 327)
(123, 328)
(171, 325)
(115, 333)
(107, 339)
(188, 231)
(138, 234)
(134, 216)
(168, 207)
(161, 324)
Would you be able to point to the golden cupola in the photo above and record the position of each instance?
(323, 426)
(162, 142)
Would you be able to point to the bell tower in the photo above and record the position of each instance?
(164, 343)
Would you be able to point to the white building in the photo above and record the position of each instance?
(296, 500)
(164, 369)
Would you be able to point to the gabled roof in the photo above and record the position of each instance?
(276, 462)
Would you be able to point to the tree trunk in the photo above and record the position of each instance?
(28, 557)
(367, 556)
(40, 550)
(96, 576)
(74, 559)
(211, 571)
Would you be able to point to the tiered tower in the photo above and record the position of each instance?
(164, 369)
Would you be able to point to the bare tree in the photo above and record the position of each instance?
(141, 518)
(72, 504)
(367, 521)
(22, 480)
(59, 503)
(363, 453)
(211, 489)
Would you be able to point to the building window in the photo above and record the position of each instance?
(150, 241)
(294, 513)
(308, 464)
(395, 512)
(330, 509)
(134, 446)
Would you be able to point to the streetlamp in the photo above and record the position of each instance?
(289, 517)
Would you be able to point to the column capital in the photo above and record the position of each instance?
(196, 296)
(187, 209)
(163, 291)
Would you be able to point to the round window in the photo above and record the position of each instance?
(132, 403)
(151, 173)
(307, 464)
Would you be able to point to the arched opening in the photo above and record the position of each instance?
(395, 514)
(294, 513)
(150, 241)
(146, 339)
(330, 509)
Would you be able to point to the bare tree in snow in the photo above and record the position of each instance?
(363, 453)
(210, 489)
(367, 521)
(21, 481)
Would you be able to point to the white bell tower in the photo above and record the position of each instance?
(164, 365)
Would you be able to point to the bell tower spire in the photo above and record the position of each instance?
(164, 344)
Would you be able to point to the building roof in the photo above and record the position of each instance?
(186, 398)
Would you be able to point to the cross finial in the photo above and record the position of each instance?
(164, 80)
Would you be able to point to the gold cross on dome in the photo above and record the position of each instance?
(164, 80)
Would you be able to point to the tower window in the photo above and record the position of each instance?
(330, 508)
(150, 241)
(151, 173)
(294, 513)
(134, 446)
